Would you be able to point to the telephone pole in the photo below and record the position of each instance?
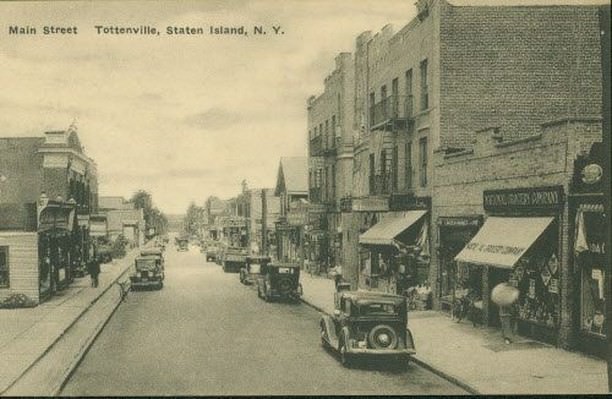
(264, 223)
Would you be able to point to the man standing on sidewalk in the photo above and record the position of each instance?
(93, 267)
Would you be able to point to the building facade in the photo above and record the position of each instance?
(517, 222)
(48, 191)
(330, 166)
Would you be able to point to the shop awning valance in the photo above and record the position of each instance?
(502, 241)
(385, 231)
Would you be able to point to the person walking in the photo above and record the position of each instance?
(505, 296)
(93, 267)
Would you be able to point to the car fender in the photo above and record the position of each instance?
(327, 324)
(410, 340)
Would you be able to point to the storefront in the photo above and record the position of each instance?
(454, 234)
(395, 250)
(56, 245)
(591, 268)
(519, 244)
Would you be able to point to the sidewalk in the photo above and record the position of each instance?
(479, 360)
(28, 336)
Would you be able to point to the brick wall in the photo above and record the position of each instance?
(516, 67)
(545, 159)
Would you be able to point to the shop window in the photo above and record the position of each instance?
(589, 248)
(4, 268)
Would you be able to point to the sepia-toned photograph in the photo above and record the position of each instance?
(305, 197)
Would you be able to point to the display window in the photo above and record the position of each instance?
(590, 255)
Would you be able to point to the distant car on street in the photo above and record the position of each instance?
(148, 271)
(366, 323)
(234, 258)
(211, 251)
(279, 280)
(252, 269)
(182, 245)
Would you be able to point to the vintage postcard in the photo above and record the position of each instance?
(304, 197)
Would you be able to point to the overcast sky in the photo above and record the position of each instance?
(182, 117)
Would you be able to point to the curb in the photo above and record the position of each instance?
(85, 348)
(450, 378)
(60, 336)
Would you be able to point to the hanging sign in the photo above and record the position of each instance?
(553, 287)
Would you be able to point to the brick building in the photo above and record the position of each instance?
(48, 189)
(451, 71)
(330, 165)
(506, 210)
(122, 218)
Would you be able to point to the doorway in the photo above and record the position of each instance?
(496, 276)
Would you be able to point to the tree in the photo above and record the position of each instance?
(194, 219)
(154, 218)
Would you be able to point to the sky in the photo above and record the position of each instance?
(183, 117)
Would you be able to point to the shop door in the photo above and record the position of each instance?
(496, 276)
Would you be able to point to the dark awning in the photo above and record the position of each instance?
(385, 231)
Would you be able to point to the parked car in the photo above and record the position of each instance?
(149, 271)
(234, 259)
(211, 251)
(367, 323)
(279, 280)
(252, 268)
(182, 245)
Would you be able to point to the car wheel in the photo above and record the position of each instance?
(322, 334)
(265, 293)
(383, 337)
(161, 285)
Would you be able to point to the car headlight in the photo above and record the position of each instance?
(362, 344)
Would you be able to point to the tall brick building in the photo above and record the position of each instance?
(48, 190)
(451, 71)
(330, 165)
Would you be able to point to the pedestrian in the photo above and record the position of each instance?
(93, 267)
(505, 296)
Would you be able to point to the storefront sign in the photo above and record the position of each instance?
(370, 204)
(297, 217)
(460, 221)
(405, 202)
(529, 198)
(83, 220)
(495, 249)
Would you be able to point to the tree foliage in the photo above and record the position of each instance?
(194, 219)
(154, 218)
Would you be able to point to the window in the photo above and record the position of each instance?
(384, 181)
(4, 268)
(371, 106)
(372, 173)
(394, 97)
(408, 165)
(424, 88)
(333, 125)
(394, 168)
(423, 160)
(383, 92)
(333, 182)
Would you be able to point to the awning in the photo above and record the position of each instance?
(502, 241)
(385, 231)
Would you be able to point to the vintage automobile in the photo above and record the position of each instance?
(252, 268)
(182, 245)
(211, 251)
(234, 258)
(279, 280)
(367, 323)
(148, 271)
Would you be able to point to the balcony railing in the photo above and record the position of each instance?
(392, 113)
(315, 195)
(316, 146)
(380, 184)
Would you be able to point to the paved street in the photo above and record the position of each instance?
(206, 334)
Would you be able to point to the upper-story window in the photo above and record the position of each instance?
(394, 168)
(423, 160)
(409, 106)
(408, 164)
(394, 96)
(372, 175)
(4, 268)
(424, 86)
(383, 92)
(333, 125)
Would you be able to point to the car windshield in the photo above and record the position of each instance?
(145, 264)
(378, 308)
